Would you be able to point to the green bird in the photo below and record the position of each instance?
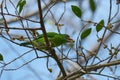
(55, 40)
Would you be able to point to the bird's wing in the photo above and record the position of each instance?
(49, 34)
(57, 40)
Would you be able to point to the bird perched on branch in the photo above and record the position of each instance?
(55, 40)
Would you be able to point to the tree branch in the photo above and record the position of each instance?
(51, 51)
(92, 68)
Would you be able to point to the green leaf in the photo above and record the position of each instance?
(92, 5)
(77, 11)
(1, 57)
(20, 5)
(100, 25)
(85, 33)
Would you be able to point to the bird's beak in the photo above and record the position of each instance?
(70, 40)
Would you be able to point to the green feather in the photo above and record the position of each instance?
(54, 39)
(49, 34)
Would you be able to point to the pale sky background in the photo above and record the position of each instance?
(11, 51)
